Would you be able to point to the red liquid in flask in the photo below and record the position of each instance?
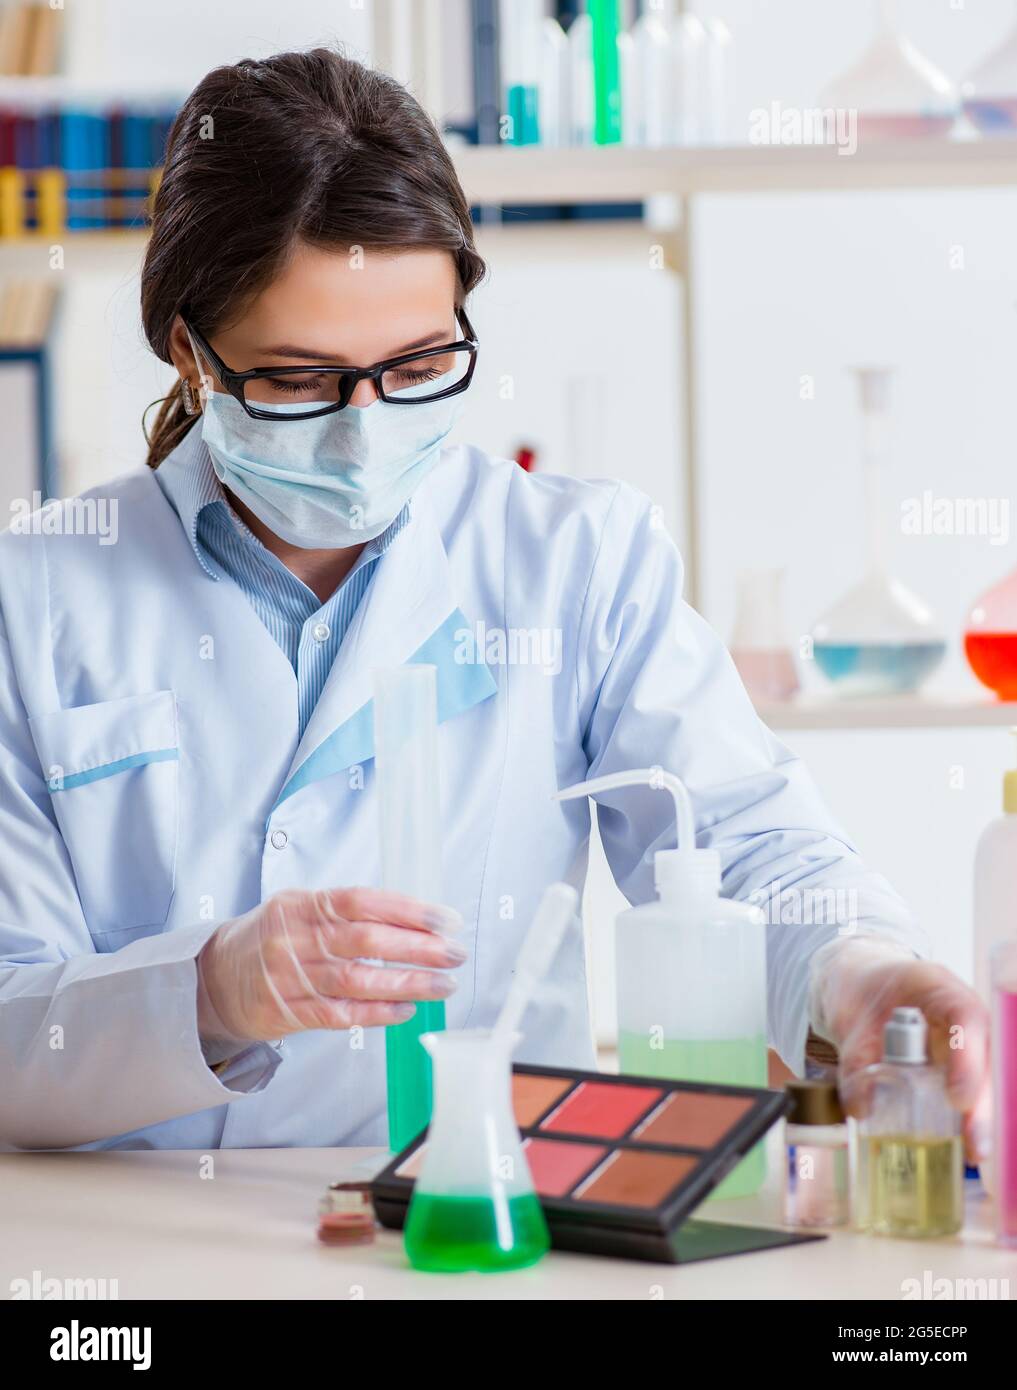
(993, 658)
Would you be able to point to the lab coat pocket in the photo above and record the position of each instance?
(111, 770)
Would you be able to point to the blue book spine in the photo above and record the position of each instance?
(74, 151)
(486, 72)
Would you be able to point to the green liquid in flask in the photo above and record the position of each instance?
(453, 1235)
(721, 1062)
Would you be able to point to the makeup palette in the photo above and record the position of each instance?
(619, 1162)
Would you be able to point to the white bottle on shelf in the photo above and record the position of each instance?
(653, 38)
(580, 38)
(995, 915)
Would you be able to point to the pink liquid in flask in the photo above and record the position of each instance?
(1005, 1065)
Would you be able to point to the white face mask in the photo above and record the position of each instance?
(333, 480)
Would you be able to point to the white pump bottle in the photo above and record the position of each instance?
(690, 970)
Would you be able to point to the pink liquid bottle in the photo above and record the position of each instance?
(1003, 970)
(990, 640)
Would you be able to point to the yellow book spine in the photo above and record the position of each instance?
(50, 202)
(12, 202)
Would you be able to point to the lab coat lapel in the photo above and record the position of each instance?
(409, 613)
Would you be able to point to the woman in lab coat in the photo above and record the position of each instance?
(188, 951)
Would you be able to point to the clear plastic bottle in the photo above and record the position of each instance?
(995, 883)
(521, 37)
(990, 639)
(655, 87)
(691, 973)
(473, 1205)
(909, 1155)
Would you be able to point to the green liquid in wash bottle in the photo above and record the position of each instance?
(691, 973)
(741, 1062)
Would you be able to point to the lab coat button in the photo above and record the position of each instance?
(279, 839)
(321, 632)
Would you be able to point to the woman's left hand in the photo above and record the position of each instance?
(856, 984)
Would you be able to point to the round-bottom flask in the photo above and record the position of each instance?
(473, 1206)
(990, 639)
(879, 639)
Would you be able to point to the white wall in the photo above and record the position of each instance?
(806, 285)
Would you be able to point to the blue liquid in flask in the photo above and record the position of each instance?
(878, 668)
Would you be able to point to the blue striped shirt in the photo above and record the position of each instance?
(308, 631)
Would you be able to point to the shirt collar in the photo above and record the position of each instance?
(190, 484)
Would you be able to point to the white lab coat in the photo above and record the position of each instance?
(149, 753)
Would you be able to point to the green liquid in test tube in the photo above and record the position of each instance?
(607, 127)
(406, 767)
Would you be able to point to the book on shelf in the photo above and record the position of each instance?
(30, 37)
(27, 307)
(27, 465)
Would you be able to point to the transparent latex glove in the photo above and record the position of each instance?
(311, 960)
(856, 983)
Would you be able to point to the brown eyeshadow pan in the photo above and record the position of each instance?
(692, 1121)
(635, 1178)
(532, 1095)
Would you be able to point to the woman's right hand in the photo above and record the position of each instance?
(303, 960)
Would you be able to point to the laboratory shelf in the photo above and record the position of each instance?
(895, 712)
(616, 173)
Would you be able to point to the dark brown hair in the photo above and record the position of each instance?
(308, 147)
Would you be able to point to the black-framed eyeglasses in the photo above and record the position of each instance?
(413, 378)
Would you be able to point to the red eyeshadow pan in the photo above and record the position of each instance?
(557, 1167)
(601, 1110)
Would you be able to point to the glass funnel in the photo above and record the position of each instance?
(990, 93)
(897, 92)
(879, 638)
(990, 639)
(473, 1205)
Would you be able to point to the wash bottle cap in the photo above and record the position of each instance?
(904, 1039)
(1010, 788)
(676, 872)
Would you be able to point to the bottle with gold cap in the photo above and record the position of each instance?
(996, 883)
(817, 1169)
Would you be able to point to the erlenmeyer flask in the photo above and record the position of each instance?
(879, 638)
(990, 639)
(896, 91)
(473, 1205)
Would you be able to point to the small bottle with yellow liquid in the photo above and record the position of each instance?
(909, 1178)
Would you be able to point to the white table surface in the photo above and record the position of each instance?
(150, 1220)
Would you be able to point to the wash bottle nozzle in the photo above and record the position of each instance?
(684, 870)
